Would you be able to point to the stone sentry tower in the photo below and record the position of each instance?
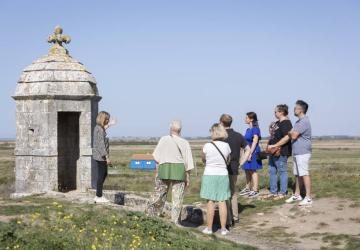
(56, 106)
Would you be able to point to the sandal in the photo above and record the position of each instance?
(270, 196)
(279, 197)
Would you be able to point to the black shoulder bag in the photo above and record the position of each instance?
(262, 155)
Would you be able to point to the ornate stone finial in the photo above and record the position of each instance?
(57, 39)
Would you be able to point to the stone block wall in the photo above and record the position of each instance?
(37, 143)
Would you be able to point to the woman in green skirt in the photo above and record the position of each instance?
(215, 186)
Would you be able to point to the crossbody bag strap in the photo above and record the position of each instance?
(173, 139)
(226, 162)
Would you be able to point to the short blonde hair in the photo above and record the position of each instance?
(218, 132)
(102, 117)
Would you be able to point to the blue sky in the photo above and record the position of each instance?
(194, 60)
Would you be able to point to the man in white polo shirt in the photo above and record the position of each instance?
(301, 148)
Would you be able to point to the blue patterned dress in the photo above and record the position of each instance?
(249, 136)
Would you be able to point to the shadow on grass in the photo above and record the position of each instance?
(244, 207)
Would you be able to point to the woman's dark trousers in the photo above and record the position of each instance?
(102, 170)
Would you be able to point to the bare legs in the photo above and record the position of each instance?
(297, 185)
(223, 214)
(303, 180)
(210, 214)
(255, 180)
(252, 176)
(248, 178)
(307, 183)
(211, 211)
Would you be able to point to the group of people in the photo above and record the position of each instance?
(222, 157)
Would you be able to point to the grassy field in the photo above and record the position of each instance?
(335, 170)
(38, 223)
(7, 165)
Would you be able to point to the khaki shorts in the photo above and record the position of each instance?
(301, 164)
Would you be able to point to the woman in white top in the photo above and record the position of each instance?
(215, 185)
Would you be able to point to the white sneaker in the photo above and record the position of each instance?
(207, 231)
(294, 198)
(101, 199)
(224, 231)
(306, 202)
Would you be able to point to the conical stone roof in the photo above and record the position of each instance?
(56, 75)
